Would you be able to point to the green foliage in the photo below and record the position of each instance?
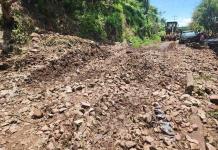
(205, 15)
(138, 42)
(22, 29)
(196, 26)
(114, 27)
(101, 20)
(92, 26)
(213, 114)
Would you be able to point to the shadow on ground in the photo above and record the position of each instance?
(216, 50)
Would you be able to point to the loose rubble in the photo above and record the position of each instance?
(71, 93)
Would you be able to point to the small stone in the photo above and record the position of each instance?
(146, 147)
(194, 146)
(148, 139)
(195, 127)
(214, 99)
(195, 102)
(167, 142)
(166, 128)
(209, 139)
(3, 141)
(190, 130)
(154, 148)
(121, 117)
(68, 89)
(144, 132)
(178, 137)
(168, 117)
(138, 132)
(79, 122)
(210, 147)
(13, 128)
(61, 110)
(157, 130)
(45, 128)
(130, 144)
(191, 140)
(148, 117)
(184, 97)
(156, 93)
(85, 105)
(201, 114)
(36, 113)
(188, 103)
(187, 124)
(79, 88)
(50, 146)
(34, 50)
(68, 104)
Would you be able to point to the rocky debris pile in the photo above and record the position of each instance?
(75, 95)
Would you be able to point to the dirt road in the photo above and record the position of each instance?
(69, 93)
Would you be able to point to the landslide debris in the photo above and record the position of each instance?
(70, 93)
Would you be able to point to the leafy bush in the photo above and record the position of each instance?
(100, 20)
(24, 26)
(114, 27)
(92, 26)
(138, 42)
(204, 17)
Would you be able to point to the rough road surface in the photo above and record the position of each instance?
(69, 93)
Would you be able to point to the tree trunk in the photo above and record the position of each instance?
(8, 23)
(7, 17)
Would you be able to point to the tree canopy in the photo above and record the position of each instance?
(103, 20)
(205, 16)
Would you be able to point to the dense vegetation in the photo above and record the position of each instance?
(205, 16)
(101, 20)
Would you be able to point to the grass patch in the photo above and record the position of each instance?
(138, 42)
(204, 77)
(214, 114)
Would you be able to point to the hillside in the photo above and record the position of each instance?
(111, 21)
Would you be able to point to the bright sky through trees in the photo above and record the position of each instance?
(179, 10)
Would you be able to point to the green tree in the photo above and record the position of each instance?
(8, 23)
(6, 11)
(102, 20)
(205, 16)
